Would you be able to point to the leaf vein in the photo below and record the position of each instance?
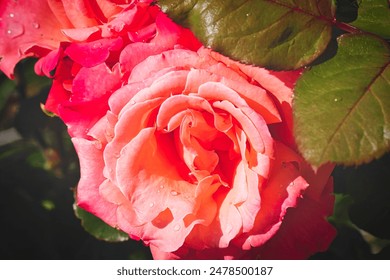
(351, 110)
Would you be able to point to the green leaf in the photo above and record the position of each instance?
(374, 17)
(7, 87)
(342, 107)
(340, 215)
(98, 228)
(277, 34)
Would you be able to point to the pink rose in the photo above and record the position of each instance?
(179, 146)
(192, 158)
(83, 46)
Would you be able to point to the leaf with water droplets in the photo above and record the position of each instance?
(374, 17)
(98, 228)
(277, 34)
(342, 107)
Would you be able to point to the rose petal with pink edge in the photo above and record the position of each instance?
(144, 50)
(203, 214)
(91, 164)
(89, 100)
(283, 189)
(182, 58)
(80, 34)
(93, 53)
(95, 82)
(57, 8)
(48, 63)
(123, 95)
(167, 84)
(132, 17)
(107, 8)
(167, 34)
(233, 220)
(57, 96)
(248, 126)
(81, 116)
(304, 230)
(80, 13)
(125, 130)
(256, 97)
(98, 131)
(178, 103)
(150, 200)
(112, 194)
(26, 24)
(147, 169)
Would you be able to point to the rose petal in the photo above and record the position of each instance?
(80, 34)
(91, 164)
(26, 24)
(304, 230)
(124, 132)
(80, 13)
(93, 53)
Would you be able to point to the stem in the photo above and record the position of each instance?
(346, 27)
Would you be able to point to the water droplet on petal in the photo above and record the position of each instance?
(11, 15)
(132, 102)
(36, 25)
(151, 204)
(97, 45)
(98, 145)
(177, 228)
(174, 193)
(14, 30)
(161, 187)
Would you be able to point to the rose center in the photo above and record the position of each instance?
(204, 149)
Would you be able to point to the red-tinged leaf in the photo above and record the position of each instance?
(277, 34)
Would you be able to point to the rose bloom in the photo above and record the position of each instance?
(193, 157)
(179, 146)
(83, 46)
